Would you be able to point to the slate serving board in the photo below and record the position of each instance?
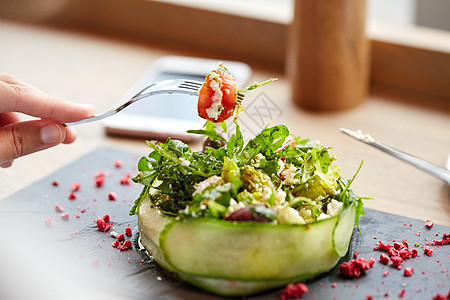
(94, 265)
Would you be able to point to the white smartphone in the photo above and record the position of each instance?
(169, 115)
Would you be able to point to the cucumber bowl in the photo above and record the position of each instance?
(234, 258)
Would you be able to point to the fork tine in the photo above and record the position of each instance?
(191, 85)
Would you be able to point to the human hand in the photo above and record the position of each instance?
(18, 137)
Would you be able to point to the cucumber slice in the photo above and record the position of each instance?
(241, 258)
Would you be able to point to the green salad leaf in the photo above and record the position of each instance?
(273, 172)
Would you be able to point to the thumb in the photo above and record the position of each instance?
(22, 138)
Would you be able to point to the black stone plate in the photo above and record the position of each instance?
(83, 260)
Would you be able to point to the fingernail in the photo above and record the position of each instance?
(51, 134)
(6, 164)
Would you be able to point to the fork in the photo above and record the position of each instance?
(170, 86)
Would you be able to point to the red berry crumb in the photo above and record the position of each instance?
(112, 196)
(102, 223)
(428, 224)
(442, 297)
(55, 183)
(428, 251)
(59, 208)
(65, 216)
(121, 237)
(75, 186)
(384, 259)
(126, 179)
(99, 179)
(408, 271)
(72, 196)
(125, 245)
(128, 231)
(402, 293)
(397, 261)
(294, 291)
(355, 267)
(334, 285)
(369, 297)
(118, 163)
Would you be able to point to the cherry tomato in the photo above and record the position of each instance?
(218, 96)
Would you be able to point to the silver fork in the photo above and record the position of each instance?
(171, 86)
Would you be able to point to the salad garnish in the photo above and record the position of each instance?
(274, 177)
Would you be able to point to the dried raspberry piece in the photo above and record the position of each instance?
(408, 271)
(441, 297)
(404, 253)
(445, 240)
(55, 183)
(125, 246)
(101, 224)
(428, 224)
(72, 196)
(75, 186)
(121, 237)
(65, 216)
(128, 231)
(414, 252)
(118, 163)
(428, 251)
(384, 259)
(369, 297)
(393, 252)
(115, 244)
(99, 179)
(294, 291)
(126, 179)
(355, 267)
(396, 261)
(402, 293)
(355, 255)
(398, 245)
(106, 218)
(112, 196)
(382, 246)
(59, 208)
(364, 264)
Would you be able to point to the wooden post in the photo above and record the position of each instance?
(328, 54)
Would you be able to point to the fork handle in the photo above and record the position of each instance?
(142, 94)
(439, 172)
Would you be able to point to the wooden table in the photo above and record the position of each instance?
(91, 69)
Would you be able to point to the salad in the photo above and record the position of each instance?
(238, 218)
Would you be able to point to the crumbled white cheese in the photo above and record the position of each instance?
(216, 106)
(201, 186)
(184, 162)
(323, 217)
(114, 234)
(305, 213)
(234, 206)
(363, 136)
(288, 174)
(280, 197)
(289, 215)
(334, 208)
